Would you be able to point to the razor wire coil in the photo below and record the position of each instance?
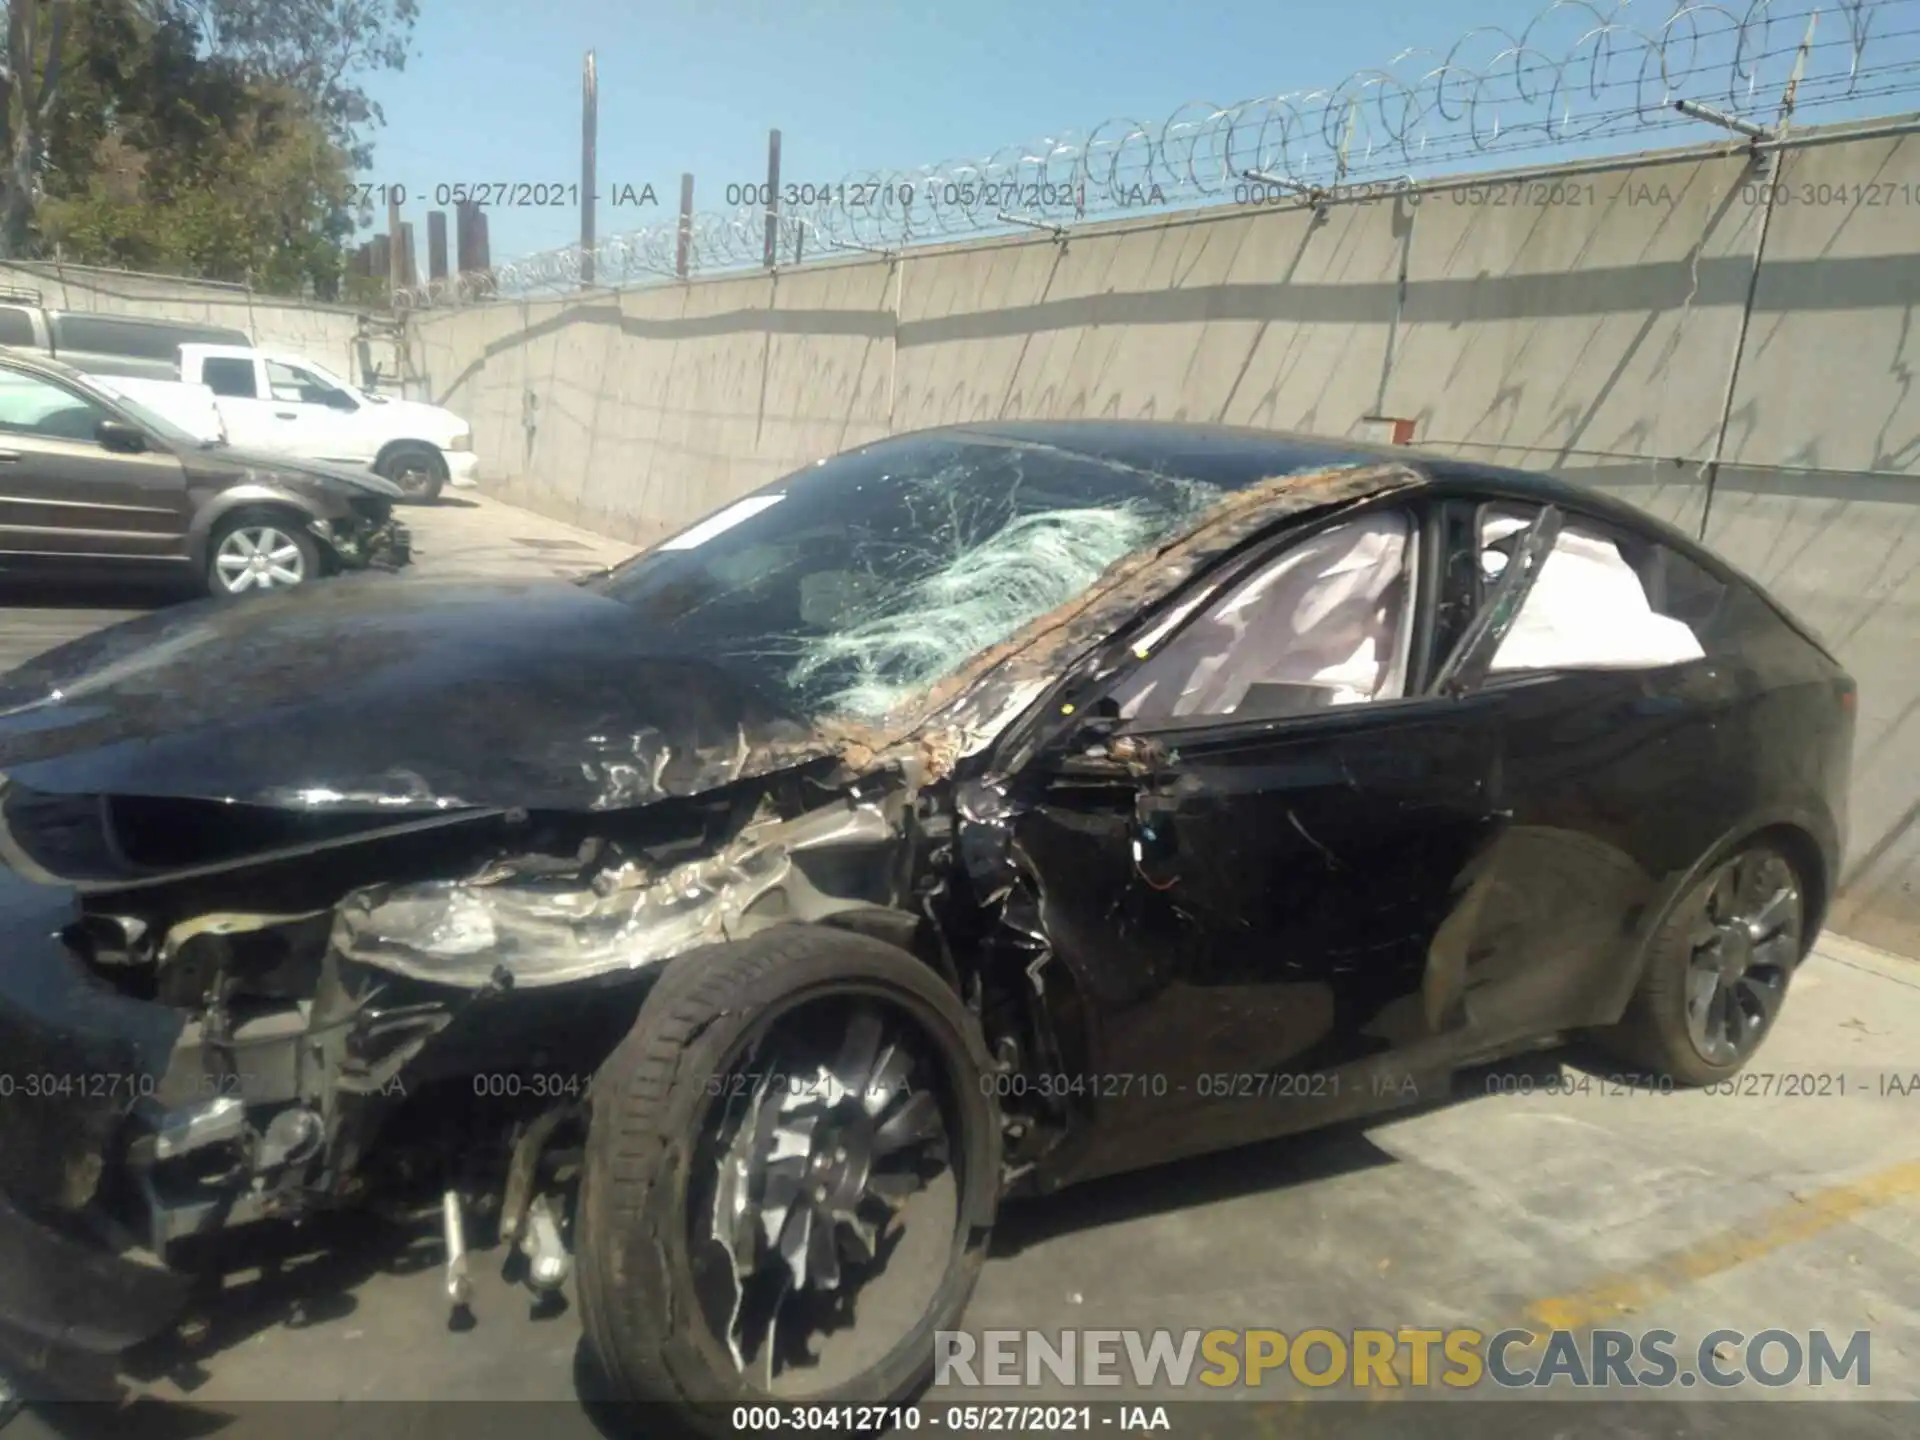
(1579, 72)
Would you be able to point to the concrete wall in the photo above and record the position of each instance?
(326, 333)
(1824, 506)
(1583, 321)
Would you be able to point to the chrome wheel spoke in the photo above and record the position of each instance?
(917, 1120)
(1723, 899)
(1778, 953)
(888, 1080)
(1703, 985)
(853, 1067)
(823, 1254)
(802, 1213)
(1759, 996)
(792, 1245)
(1728, 1020)
(1772, 914)
(1737, 1021)
(781, 1194)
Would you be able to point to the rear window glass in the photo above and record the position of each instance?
(229, 375)
(16, 326)
(1606, 596)
(146, 339)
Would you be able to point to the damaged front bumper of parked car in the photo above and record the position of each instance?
(369, 539)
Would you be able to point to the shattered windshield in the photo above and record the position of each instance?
(850, 586)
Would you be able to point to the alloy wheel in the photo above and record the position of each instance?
(1742, 954)
(825, 1145)
(258, 557)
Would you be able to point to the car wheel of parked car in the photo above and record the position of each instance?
(790, 1175)
(1718, 970)
(254, 552)
(419, 470)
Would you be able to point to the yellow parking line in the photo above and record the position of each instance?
(1802, 1218)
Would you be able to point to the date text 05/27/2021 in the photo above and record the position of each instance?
(505, 194)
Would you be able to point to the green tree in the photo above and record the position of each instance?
(36, 49)
(207, 137)
(315, 48)
(253, 191)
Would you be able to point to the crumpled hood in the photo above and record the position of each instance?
(225, 465)
(376, 694)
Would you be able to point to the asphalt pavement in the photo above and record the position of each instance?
(464, 536)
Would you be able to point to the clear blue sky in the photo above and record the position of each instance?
(493, 93)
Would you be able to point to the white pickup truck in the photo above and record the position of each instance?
(287, 405)
(280, 404)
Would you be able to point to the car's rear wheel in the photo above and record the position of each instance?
(791, 1172)
(260, 550)
(419, 470)
(1718, 969)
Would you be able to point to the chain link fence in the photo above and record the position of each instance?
(1579, 76)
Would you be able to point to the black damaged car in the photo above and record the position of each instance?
(972, 813)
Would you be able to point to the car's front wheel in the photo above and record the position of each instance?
(1718, 969)
(259, 551)
(791, 1172)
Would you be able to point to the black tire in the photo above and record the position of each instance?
(419, 470)
(652, 1102)
(1656, 1031)
(251, 528)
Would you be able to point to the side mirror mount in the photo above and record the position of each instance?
(120, 437)
(1091, 736)
(338, 400)
(1101, 719)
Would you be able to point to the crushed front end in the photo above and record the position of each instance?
(214, 1016)
(73, 1053)
(368, 537)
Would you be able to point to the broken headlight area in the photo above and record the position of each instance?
(513, 925)
(370, 537)
(390, 1017)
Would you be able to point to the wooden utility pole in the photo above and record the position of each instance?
(773, 198)
(589, 138)
(436, 245)
(684, 242)
(396, 266)
(409, 264)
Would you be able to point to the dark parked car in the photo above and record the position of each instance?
(92, 479)
(972, 813)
